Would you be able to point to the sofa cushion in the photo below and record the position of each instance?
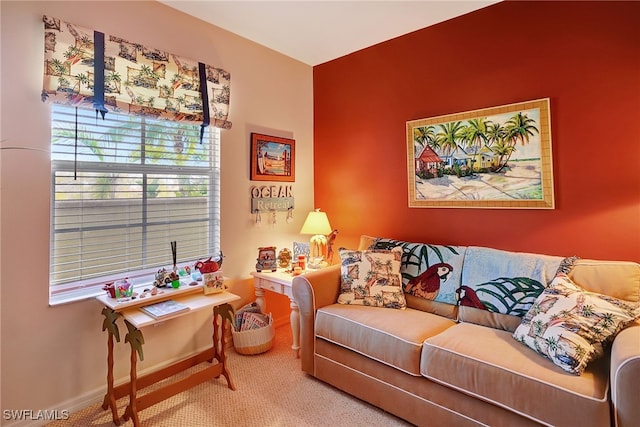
(489, 364)
(371, 278)
(366, 242)
(498, 287)
(392, 337)
(570, 325)
(620, 279)
(430, 274)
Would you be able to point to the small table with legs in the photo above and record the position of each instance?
(279, 282)
(135, 319)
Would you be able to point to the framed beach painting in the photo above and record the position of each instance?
(272, 158)
(498, 157)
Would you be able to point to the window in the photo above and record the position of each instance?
(123, 189)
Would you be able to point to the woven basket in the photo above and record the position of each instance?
(254, 341)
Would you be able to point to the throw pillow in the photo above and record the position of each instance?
(429, 272)
(570, 326)
(372, 278)
(503, 281)
(498, 287)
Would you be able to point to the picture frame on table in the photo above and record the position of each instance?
(301, 248)
(272, 158)
(213, 283)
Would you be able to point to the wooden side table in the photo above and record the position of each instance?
(135, 319)
(279, 282)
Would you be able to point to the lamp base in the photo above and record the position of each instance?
(316, 263)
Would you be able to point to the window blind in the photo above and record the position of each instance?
(123, 190)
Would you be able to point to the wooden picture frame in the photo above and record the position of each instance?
(272, 158)
(498, 157)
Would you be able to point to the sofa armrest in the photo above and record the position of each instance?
(312, 291)
(625, 376)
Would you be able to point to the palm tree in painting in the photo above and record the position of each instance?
(495, 132)
(518, 129)
(449, 135)
(425, 136)
(495, 140)
(475, 135)
(503, 150)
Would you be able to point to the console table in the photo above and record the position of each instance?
(135, 319)
(279, 282)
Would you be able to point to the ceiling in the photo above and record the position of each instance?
(314, 32)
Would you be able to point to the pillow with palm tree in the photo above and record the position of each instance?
(371, 278)
(571, 326)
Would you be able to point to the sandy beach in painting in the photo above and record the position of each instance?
(522, 181)
(274, 167)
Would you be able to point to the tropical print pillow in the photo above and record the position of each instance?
(371, 278)
(570, 326)
(430, 272)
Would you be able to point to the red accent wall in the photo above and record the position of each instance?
(584, 56)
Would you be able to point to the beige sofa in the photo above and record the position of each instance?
(437, 364)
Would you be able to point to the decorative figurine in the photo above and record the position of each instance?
(330, 240)
(211, 265)
(266, 259)
(110, 288)
(284, 258)
(164, 278)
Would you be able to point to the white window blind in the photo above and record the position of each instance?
(123, 189)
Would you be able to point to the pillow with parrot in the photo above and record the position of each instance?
(429, 272)
(371, 278)
(498, 287)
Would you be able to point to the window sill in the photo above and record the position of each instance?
(73, 296)
(61, 297)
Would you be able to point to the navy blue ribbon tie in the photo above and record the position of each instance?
(98, 76)
(75, 150)
(205, 99)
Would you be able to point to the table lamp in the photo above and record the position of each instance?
(316, 224)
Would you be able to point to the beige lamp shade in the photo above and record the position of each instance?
(316, 223)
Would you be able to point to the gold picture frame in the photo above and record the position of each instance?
(497, 157)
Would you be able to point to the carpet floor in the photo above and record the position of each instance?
(271, 391)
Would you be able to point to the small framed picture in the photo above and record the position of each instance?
(213, 283)
(300, 248)
(272, 158)
(267, 259)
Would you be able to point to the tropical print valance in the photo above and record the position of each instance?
(90, 69)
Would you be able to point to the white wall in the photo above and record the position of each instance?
(55, 357)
